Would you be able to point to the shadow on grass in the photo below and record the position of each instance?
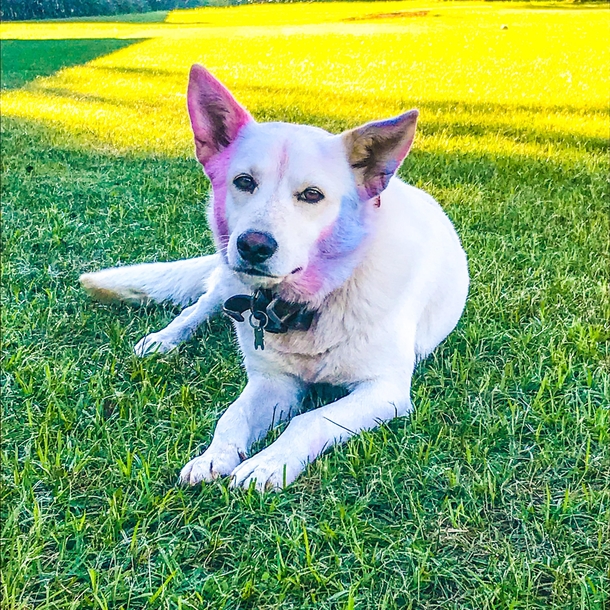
(113, 179)
(149, 17)
(24, 60)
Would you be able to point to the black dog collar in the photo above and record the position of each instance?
(268, 313)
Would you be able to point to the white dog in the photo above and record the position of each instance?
(333, 270)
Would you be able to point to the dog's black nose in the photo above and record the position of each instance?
(256, 247)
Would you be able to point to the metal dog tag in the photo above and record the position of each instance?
(258, 321)
(259, 338)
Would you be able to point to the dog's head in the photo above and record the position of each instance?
(292, 204)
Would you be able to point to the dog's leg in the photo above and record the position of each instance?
(264, 403)
(309, 434)
(186, 324)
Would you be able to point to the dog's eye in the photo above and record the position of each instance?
(311, 195)
(245, 182)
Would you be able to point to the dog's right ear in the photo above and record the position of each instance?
(216, 116)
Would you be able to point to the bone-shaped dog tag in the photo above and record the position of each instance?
(259, 338)
(258, 321)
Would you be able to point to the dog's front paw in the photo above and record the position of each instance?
(155, 343)
(211, 464)
(270, 470)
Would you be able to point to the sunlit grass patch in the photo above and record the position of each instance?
(335, 72)
(495, 494)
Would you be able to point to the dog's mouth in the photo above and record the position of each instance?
(258, 273)
(254, 272)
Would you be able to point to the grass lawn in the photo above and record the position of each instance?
(494, 494)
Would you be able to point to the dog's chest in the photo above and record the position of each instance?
(314, 361)
(337, 349)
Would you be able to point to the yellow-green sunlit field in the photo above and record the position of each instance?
(494, 494)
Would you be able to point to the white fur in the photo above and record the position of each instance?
(401, 299)
(180, 282)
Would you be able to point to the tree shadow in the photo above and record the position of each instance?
(42, 154)
(24, 60)
(148, 17)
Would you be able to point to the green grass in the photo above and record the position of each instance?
(494, 494)
(149, 17)
(25, 60)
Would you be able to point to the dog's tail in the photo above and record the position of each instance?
(180, 282)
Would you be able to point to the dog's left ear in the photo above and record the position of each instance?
(216, 116)
(376, 150)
